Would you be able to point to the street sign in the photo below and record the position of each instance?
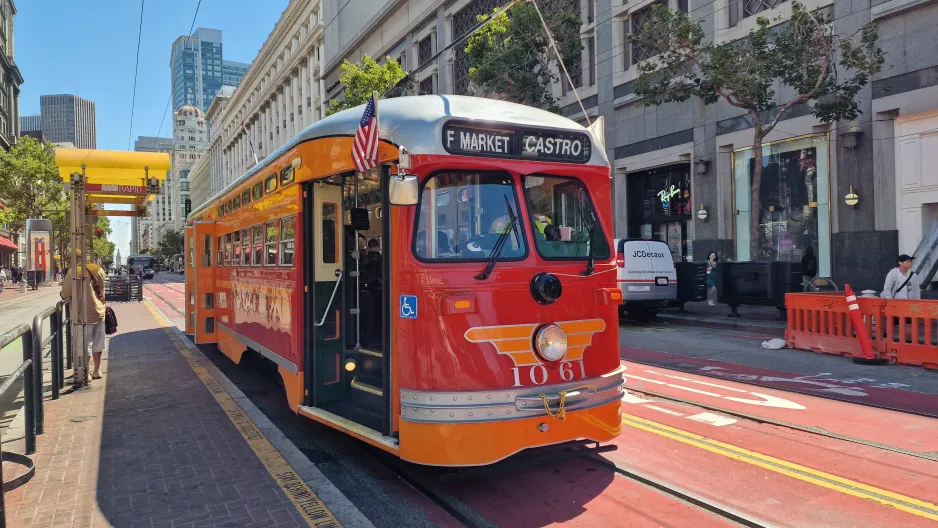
(115, 189)
(112, 212)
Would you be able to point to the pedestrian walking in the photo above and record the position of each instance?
(93, 292)
(712, 260)
(808, 265)
(3, 277)
(902, 282)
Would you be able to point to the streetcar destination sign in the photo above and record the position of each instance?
(542, 145)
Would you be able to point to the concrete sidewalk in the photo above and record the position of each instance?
(762, 319)
(164, 440)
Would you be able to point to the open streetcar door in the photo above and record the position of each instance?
(204, 313)
(324, 262)
(189, 275)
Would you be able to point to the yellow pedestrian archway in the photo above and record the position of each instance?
(94, 178)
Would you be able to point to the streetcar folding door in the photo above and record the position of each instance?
(189, 275)
(204, 319)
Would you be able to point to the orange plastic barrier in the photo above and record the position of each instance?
(911, 335)
(821, 322)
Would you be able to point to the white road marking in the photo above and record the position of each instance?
(718, 386)
(662, 409)
(764, 400)
(631, 398)
(712, 419)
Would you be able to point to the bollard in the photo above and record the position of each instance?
(863, 333)
(36, 386)
(56, 326)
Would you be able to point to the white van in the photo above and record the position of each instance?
(646, 276)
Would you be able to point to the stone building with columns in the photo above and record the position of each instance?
(279, 96)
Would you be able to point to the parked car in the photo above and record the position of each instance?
(646, 276)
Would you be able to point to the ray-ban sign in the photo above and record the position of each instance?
(543, 145)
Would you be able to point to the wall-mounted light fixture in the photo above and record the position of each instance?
(702, 213)
(700, 166)
(852, 137)
(851, 199)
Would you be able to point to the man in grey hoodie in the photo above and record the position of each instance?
(902, 282)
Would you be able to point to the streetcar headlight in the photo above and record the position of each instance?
(551, 343)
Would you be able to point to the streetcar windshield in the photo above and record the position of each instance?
(145, 262)
(562, 215)
(462, 214)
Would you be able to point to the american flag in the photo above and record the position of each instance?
(365, 146)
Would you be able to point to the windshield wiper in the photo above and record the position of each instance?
(500, 243)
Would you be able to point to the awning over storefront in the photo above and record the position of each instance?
(7, 243)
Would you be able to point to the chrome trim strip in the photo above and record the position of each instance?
(349, 425)
(259, 348)
(487, 406)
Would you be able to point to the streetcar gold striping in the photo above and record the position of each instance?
(803, 473)
(308, 503)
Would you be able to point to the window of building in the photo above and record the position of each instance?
(270, 244)
(286, 241)
(245, 247)
(746, 8)
(425, 49)
(591, 51)
(258, 245)
(638, 20)
(270, 184)
(426, 86)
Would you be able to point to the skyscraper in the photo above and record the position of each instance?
(198, 70)
(69, 119)
(153, 144)
(31, 123)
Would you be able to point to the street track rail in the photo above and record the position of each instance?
(717, 509)
(812, 430)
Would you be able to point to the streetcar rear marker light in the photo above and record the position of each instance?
(551, 343)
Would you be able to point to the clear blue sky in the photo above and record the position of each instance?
(88, 48)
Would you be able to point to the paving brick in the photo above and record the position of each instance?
(153, 449)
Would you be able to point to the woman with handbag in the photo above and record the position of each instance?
(93, 292)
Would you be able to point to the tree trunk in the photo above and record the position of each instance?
(755, 205)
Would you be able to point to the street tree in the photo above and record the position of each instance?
(363, 78)
(30, 184)
(824, 69)
(102, 249)
(171, 244)
(511, 58)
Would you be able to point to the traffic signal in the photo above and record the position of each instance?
(98, 232)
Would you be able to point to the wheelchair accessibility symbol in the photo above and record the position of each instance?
(408, 307)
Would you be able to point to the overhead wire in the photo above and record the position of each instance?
(133, 98)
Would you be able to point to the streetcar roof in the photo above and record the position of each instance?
(416, 122)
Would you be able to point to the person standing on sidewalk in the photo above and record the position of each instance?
(712, 260)
(93, 291)
(902, 282)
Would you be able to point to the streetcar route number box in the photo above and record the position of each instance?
(541, 145)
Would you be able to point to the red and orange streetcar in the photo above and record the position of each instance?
(454, 305)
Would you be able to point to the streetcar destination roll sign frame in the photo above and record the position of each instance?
(533, 144)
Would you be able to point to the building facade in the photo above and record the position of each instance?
(199, 71)
(10, 80)
(69, 119)
(31, 123)
(279, 96)
(140, 226)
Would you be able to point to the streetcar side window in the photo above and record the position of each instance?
(258, 245)
(563, 219)
(236, 249)
(329, 236)
(257, 191)
(236, 202)
(286, 241)
(245, 197)
(220, 258)
(246, 247)
(270, 243)
(462, 215)
(228, 207)
(207, 252)
(228, 249)
(286, 176)
(270, 184)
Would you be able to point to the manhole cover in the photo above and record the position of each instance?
(81, 418)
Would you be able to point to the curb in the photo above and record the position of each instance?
(724, 324)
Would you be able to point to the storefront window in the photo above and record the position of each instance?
(794, 203)
(660, 208)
